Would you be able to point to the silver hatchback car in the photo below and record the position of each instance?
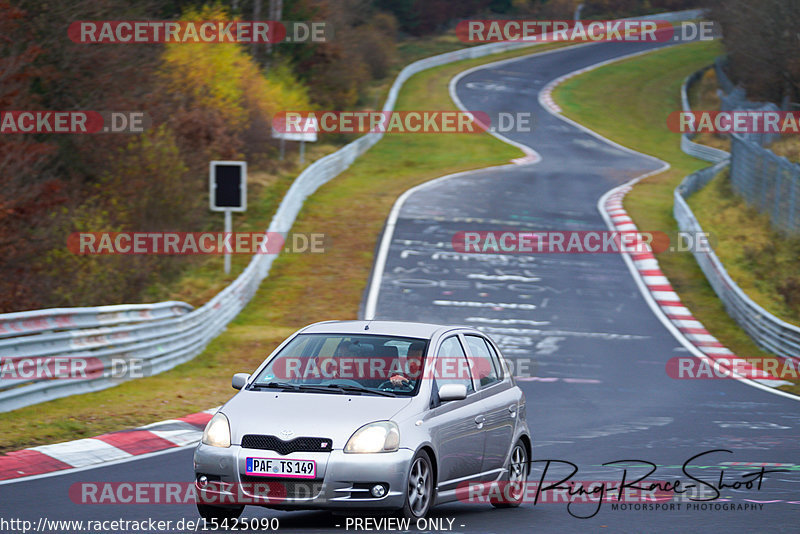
(367, 415)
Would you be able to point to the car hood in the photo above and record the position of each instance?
(332, 416)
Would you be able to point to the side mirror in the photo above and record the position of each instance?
(239, 380)
(452, 392)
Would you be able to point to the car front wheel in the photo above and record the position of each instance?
(419, 494)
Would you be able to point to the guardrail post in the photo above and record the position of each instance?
(792, 197)
(228, 230)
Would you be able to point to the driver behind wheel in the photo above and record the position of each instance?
(413, 365)
(330, 365)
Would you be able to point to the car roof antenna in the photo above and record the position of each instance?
(366, 326)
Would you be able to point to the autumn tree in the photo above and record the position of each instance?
(761, 41)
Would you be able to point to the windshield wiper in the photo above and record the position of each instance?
(330, 388)
(361, 389)
(320, 388)
(280, 385)
(297, 387)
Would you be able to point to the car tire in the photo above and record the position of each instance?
(420, 487)
(514, 487)
(219, 513)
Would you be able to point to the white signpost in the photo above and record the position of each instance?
(307, 132)
(227, 192)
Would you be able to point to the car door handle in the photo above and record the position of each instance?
(513, 409)
(480, 420)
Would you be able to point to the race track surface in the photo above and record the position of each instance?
(592, 348)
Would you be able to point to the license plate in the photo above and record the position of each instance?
(280, 467)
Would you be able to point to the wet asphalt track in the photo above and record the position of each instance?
(577, 321)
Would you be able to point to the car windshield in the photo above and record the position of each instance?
(346, 363)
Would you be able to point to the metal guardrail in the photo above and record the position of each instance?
(164, 339)
(768, 331)
(725, 83)
(704, 152)
(34, 322)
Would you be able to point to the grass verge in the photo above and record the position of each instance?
(627, 102)
(301, 288)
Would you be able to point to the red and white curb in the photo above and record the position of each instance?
(546, 96)
(527, 159)
(546, 99)
(670, 303)
(112, 447)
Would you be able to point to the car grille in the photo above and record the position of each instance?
(274, 443)
(288, 488)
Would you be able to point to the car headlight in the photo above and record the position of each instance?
(218, 431)
(383, 436)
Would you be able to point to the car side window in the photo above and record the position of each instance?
(498, 365)
(452, 366)
(483, 364)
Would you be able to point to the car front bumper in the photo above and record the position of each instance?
(342, 480)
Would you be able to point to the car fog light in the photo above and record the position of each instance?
(202, 481)
(378, 490)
